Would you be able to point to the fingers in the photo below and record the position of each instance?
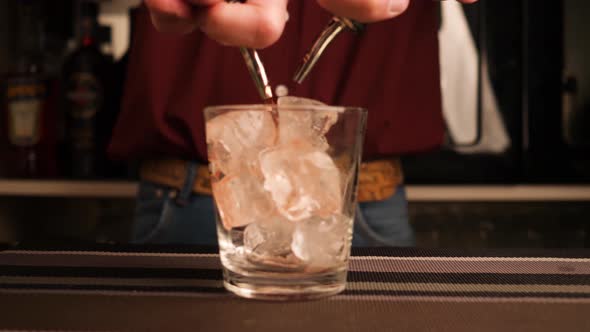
(366, 10)
(255, 24)
(176, 16)
(369, 10)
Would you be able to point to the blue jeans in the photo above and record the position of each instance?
(165, 215)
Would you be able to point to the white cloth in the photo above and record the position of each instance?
(459, 83)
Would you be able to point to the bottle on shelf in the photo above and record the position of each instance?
(28, 117)
(86, 94)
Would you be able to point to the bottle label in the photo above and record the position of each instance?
(24, 104)
(85, 98)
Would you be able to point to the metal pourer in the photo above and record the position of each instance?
(333, 29)
(256, 69)
(257, 72)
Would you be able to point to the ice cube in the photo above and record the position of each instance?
(290, 100)
(302, 126)
(241, 200)
(270, 238)
(322, 242)
(268, 245)
(233, 135)
(301, 181)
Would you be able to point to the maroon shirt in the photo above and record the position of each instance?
(392, 69)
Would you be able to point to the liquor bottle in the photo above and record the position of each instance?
(85, 77)
(25, 97)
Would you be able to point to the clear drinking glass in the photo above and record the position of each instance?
(284, 182)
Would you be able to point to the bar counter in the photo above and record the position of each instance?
(389, 289)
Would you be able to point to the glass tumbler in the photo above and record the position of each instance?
(284, 182)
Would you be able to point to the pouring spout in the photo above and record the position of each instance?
(330, 32)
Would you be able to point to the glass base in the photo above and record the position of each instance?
(284, 286)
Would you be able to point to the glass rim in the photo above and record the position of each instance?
(265, 107)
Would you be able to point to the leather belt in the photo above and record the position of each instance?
(378, 180)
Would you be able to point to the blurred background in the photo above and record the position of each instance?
(514, 171)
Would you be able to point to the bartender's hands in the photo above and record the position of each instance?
(367, 11)
(256, 23)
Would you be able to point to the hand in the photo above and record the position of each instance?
(256, 23)
(367, 11)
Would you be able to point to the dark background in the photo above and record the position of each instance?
(537, 56)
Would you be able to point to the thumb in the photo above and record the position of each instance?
(366, 10)
(255, 23)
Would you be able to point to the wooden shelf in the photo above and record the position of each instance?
(420, 193)
(49, 188)
(499, 193)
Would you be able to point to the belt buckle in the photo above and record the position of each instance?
(378, 180)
